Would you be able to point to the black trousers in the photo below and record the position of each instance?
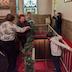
(22, 41)
(10, 50)
(56, 61)
(3, 63)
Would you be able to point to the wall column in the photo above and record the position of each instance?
(13, 6)
(20, 7)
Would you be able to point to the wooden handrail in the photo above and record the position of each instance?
(41, 25)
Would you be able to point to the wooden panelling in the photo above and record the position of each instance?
(40, 19)
(67, 29)
(41, 48)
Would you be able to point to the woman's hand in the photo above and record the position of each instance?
(26, 28)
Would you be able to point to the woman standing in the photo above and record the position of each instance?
(7, 40)
(22, 37)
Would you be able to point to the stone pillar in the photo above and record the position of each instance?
(13, 6)
(20, 11)
(54, 2)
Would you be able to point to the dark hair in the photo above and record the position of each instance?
(28, 12)
(21, 15)
(9, 17)
(60, 14)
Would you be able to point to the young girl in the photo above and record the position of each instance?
(56, 50)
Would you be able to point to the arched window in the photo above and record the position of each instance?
(30, 6)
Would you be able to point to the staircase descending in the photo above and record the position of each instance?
(39, 66)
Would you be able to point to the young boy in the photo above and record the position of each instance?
(32, 25)
(56, 50)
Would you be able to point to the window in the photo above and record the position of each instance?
(30, 6)
(67, 0)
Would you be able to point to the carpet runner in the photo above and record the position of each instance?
(39, 66)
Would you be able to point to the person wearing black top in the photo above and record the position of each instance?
(22, 37)
(58, 23)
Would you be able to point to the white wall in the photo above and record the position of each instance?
(44, 6)
(65, 9)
